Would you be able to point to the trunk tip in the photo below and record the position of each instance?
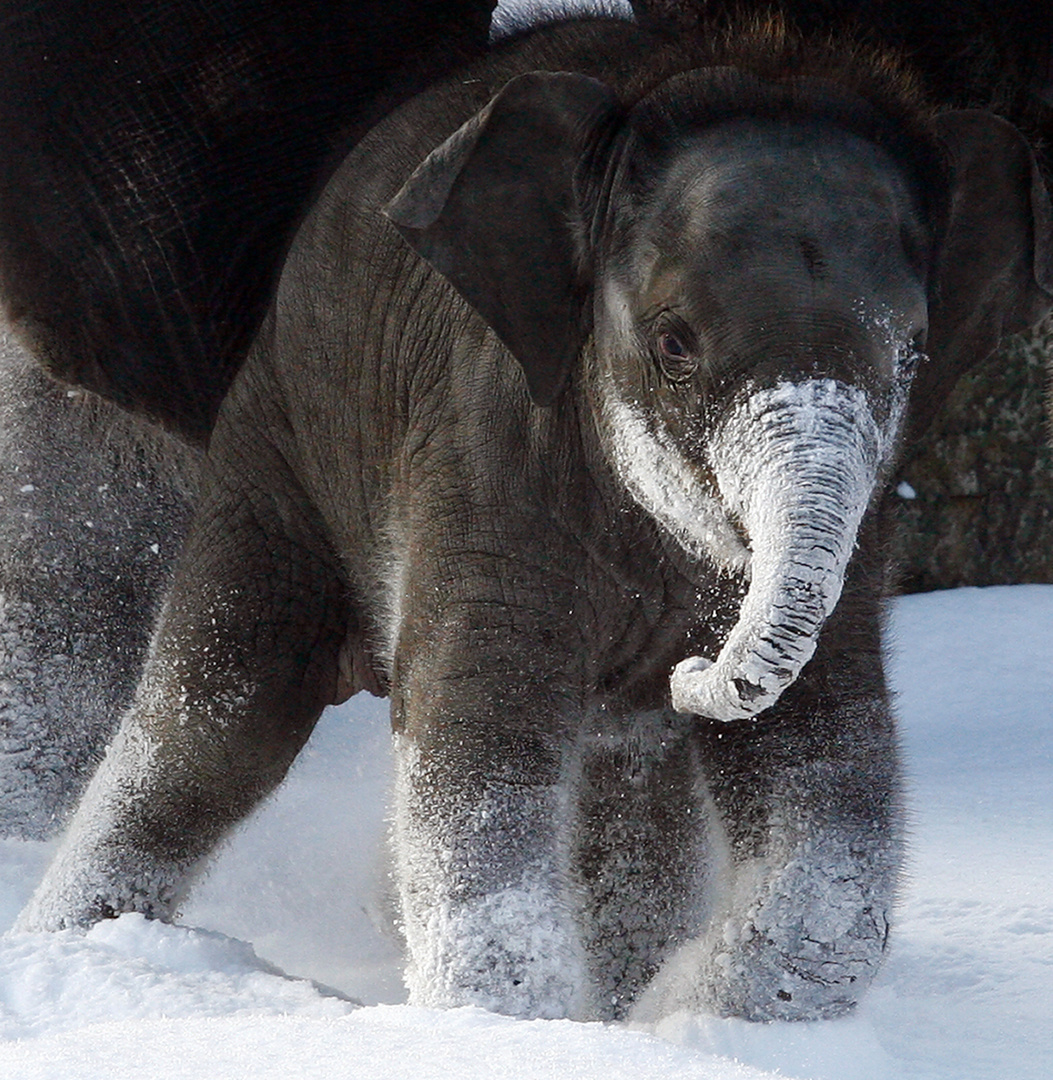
(700, 687)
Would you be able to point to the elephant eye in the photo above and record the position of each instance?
(671, 346)
(675, 355)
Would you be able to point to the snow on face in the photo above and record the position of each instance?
(797, 464)
(666, 485)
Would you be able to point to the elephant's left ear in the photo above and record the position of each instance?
(994, 273)
(496, 211)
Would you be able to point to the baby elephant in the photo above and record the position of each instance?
(571, 440)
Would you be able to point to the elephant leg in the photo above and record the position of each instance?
(245, 657)
(93, 509)
(483, 770)
(808, 798)
(644, 855)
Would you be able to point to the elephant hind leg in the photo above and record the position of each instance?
(245, 657)
(645, 858)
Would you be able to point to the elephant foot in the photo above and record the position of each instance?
(806, 948)
(508, 953)
(72, 896)
(100, 871)
(88, 882)
(784, 973)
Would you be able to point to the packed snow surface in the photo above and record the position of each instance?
(967, 993)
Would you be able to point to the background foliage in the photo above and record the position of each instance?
(982, 479)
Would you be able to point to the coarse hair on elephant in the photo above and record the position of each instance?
(998, 53)
(155, 160)
(567, 428)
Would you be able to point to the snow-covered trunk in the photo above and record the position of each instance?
(797, 465)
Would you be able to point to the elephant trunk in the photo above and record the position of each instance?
(797, 465)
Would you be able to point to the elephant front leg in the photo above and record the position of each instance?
(482, 853)
(814, 838)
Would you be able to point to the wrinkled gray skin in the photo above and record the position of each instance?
(594, 396)
(93, 509)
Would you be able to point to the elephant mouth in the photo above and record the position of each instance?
(738, 526)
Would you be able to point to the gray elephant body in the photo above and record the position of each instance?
(632, 407)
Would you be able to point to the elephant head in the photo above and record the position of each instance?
(740, 277)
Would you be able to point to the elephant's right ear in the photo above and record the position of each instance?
(495, 210)
(994, 274)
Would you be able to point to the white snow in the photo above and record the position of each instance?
(667, 486)
(967, 993)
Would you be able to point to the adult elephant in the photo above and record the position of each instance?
(155, 158)
(605, 388)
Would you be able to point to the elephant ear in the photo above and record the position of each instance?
(994, 272)
(495, 210)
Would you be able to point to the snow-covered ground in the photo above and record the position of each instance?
(966, 995)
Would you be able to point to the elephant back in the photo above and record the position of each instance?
(156, 159)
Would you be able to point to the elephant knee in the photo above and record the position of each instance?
(803, 943)
(812, 966)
